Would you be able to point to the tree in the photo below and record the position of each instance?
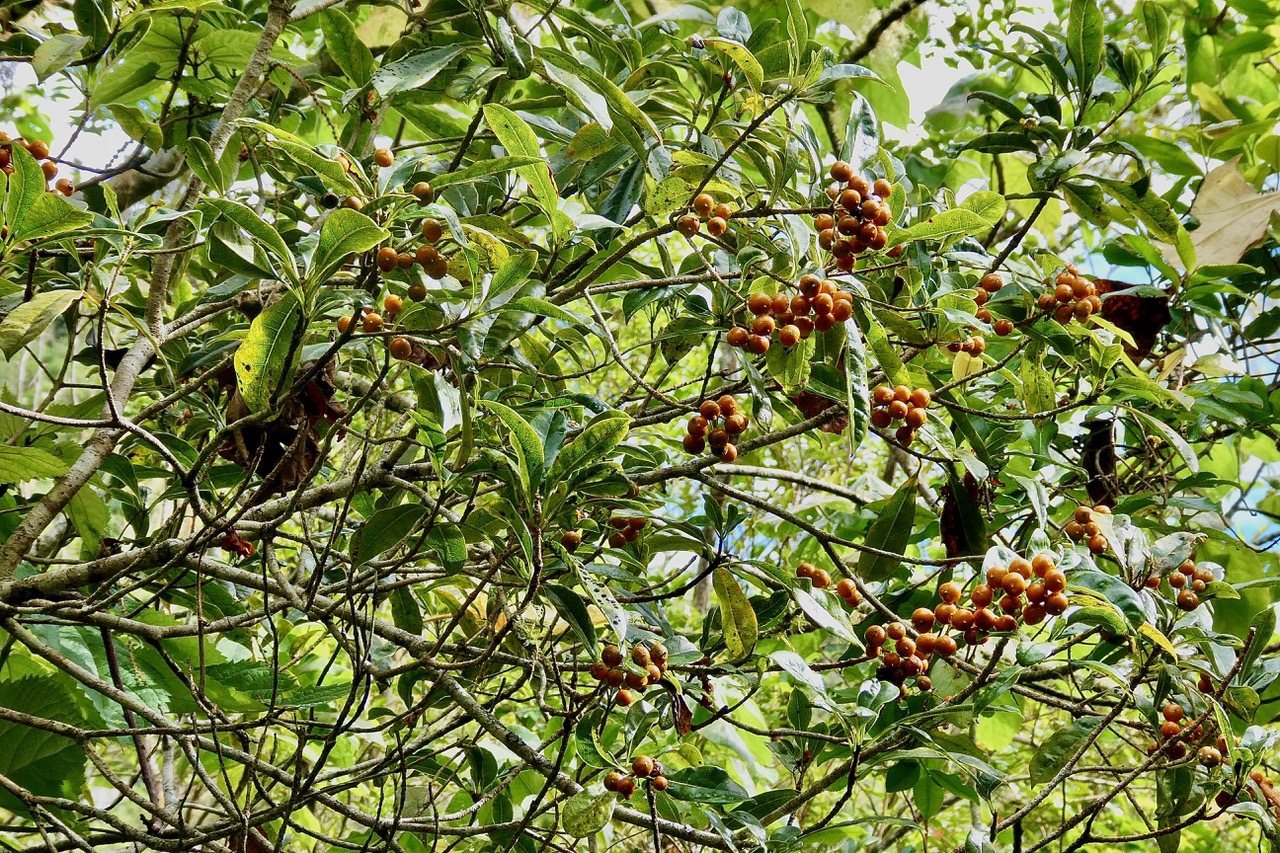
(484, 426)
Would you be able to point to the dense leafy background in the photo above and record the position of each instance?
(264, 586)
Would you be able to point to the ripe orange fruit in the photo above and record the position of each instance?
(757, 344)
(426, 255)
(387, 258)
(789, 336)
(372, 323)
(702, 204)
(344, 323)
(991, 282)
(424, 192)
(736, 337)
(717, 226)
(383, 157)
(710, 410)
(688, 225)
(432, 230)
(882, 188)
(949, 592)
(841, 171)
(392, 304)
(401, 348)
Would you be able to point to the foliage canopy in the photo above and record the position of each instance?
(486, 426)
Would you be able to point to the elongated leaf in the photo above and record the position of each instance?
(519, 139)
(593, 444)
(573, 610)
(384, 530)
(707, 785)
(1084, 40)
(736, 613)
(878, 341)
(57, 53)
(266, 358)
(857, 386)
(742, 57)
(413, 71)
(484, 169)
(1037, 386)
(976, 214)
(31, 212)
(890, 532)
(20, 464)
(26, 322)
(345, 47)
(527, 445)
(405, 612)
(1057, 750)
(262, 231)
(346, 232)
(201, 160)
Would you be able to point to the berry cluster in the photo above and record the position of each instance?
(821, 579)
(1189, 580)
(705, 209)
(1266, 787)
(1072, 297)
(427, 256)
(987, 286)
(1083, 528)
(819, 306)
(642, 767)
(974, 345)
(860, 211)
(900, 404)
(702, 429)
(649, 666)
(625, 529)
(1174, 725)
(1041, 582)
(38, 149)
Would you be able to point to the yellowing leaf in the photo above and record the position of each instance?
(1233, 216)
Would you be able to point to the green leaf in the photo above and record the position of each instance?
(1037, 386)
(573, 610)
(1084, 41)
(384, 530)
(707, 785)
(405, 612)
(484, 169)
(44, 763)
(1156, 21)
(413, 71)
(978, 213)
(330, 170)
(862, 134)
(1152, 210)
(527, 445)
(858, 396)
(585, 813)
(1265, 628)
(201, 160)
(26, 322)
(790, 365)
(878, 340)
(90, 516)
(891, 532)
(519, 139)
(742, 57)
(267, 357)
(543, 308)
(580, 94)
(345, 47)
(738, 616)
(1057, 750)
(31, 212)
(123, 81)
(260, 230)
(57, 53)
(593, 444)
(19, 464)
(448, 542)
(345, 233)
